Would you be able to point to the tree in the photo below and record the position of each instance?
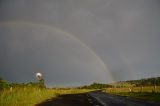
(3, 84)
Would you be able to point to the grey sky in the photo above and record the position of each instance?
(74, 42)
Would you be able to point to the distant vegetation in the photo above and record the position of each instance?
(142, 82)
(97, 86)
(126, 84)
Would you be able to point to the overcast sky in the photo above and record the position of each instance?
(77, 42)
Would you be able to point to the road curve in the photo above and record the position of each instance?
(81, 99)
(113, 100)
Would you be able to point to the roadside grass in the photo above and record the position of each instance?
(146, 94)
(141, 96)
(134, 89)
(30, 96)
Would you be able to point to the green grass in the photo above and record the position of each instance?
(146, 94)
(31, 96)
(141, 96)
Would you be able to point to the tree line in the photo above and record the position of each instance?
(122, 84)
(5, 85)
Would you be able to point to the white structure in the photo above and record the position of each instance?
(39, 76)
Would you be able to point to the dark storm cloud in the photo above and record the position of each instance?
(123, 33)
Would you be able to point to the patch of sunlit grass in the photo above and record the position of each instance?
(31, 96)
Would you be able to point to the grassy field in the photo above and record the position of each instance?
(147, 93)
(133, 89)
(31, 96)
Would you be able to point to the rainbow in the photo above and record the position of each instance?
(51, 28)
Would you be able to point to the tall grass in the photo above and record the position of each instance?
(30, 96)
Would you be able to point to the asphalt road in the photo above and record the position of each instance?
(82, 99)
(96, 98)
(112, 100)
